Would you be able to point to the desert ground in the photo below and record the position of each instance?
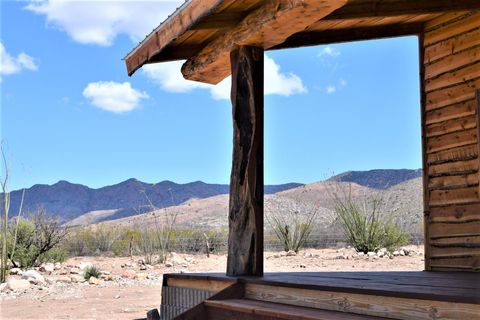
(128, 287)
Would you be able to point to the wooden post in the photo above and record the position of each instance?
(245, 239)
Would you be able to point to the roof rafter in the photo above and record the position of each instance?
(278, 19)
(401, 7)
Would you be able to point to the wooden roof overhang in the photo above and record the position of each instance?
(204, 32)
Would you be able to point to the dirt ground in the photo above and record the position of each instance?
(131, 298)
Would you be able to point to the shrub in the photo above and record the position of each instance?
(35, 239)
(365, 226)
(291, 221)
(91, 271)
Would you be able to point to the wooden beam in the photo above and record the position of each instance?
(219, 21)
(265, 27)
(401, 7)
(245, 239)
(168, 31)
(304, 39)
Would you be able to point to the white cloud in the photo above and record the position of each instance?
(329, 51)
(343, 82)
(113, 96)
(100, 21)
(169, 78)
(12, 65)
(331, 89)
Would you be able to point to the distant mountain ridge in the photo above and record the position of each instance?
(378, 178)
(131, 197)
(68, 200)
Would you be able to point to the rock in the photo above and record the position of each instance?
(3, 287)
(117, 297)
(129, 274)
(143, 267)
(93, 281)
(107, 277)
(140, 262)
(168, 264)
(75, 270)
(153, 315)
(64, 279)
(106, 273)
(276, 255)
(371, 254)
(151, 267)
(84, 265)
(47, 267)
(15, 271)
(303, 266)
(77, 278)
(291, 253)
(380, 254)
(340, 257)
(17, 284)
(33, 276)
(396, 253)
(402, 252)
(57, 266)
(150, 276)
(360, 254)
(141, 276)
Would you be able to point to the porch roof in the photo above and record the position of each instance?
(205, 31)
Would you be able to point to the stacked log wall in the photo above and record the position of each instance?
(450, 48)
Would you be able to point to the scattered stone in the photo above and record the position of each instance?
(340, 257)
(129, 274)
(93, 281)
(380, 254)
(153, 315)
(75, 270)
(77, 278)
(168, 264)
(106, 273)
(84, 265)
(57, 266)
(64, 279)
(47, 267)
(360, 254)
(291, 253)
(402, 252)
(3, 287)
(15, 271)
(33, 277)
(303, 266)
(396, 253)
(117, 297)
(371, 254)
(107, 277)
(149, 266)
(141, 276)
(143, 267)
(276, 255)
(17, 284)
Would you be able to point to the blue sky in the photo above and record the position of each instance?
(70, 112)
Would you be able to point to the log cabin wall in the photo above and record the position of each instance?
(450, 77)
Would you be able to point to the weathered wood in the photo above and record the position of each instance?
(453, 61)
(452, 46)
(277, 18)
(453, 168)
(168, 32)
(245, 240)
(455, 213)
(452, 112)
(444, 19)
(452, 230)
(453, 29)
(449, 182)
(451, 140)
(449, 96)
(451, 126)
(452, 196)
(373, 305)
(199, 284)
(331, 36)
(471, 263)
(470, 72)
(452, 155)
(364, 9)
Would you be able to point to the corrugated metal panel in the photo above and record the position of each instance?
(178, 300)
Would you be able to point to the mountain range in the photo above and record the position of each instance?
(70, 201)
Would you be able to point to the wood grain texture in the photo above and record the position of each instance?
(245, 240)
(455, 111)
(265, 27)
(379, 306)
(452, 46)
(455, 213)
(464, 153)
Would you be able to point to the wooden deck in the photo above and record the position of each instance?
(393, 295)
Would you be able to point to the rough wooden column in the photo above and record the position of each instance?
(245, 240)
